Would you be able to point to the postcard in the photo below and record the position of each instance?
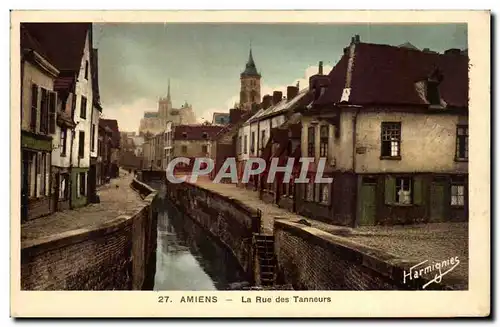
(250, 164)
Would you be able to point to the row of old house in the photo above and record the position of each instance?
(67, 150)
(391, 124)
(189, 141)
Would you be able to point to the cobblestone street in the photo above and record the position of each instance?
(433, 242)
(116, 198)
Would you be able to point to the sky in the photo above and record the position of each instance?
(204, 61)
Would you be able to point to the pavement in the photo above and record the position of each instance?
(434, 242)
(116, 198)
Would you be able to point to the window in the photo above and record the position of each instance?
(64, 136)
(83, 108)
(309, 196)
(39, 164)
(323, 143)
(43, 173)
(462, 151)
(457, 194)
(311, 136)
(81, 184)
(204, 149)
(324, 194)
(240, 144)
(81, 144)
(433, 93)
(245, 144)
(34, 106)
(184, 149)
(263, 138)
(86, 69)
(391, 140)
(403, 190)
(64, 187)
(184, 135)
(205, 135)
(252, 146)
(73, 105)
(291, 191)
(92, 140)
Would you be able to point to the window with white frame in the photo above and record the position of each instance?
(403, 190)
(324, 194)
(457, 193)
(391, 140)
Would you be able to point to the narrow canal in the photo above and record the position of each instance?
(187, 258)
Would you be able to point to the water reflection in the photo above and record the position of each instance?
(188, 258)
(176, 267)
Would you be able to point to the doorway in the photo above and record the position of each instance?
(368, 204)
(438, 199)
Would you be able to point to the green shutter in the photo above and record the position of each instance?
(390, 189)
(417, 190)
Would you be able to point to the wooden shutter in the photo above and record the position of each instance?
(390, 189)
(418, 197)
(52, 112)
(34, 106)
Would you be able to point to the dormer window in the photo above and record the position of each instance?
(433, 81)
(184, 135)
(205, 135)
(433, 93)
(86, 69)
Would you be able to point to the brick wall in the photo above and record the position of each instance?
(226, 219)
(310, 259)
(119, 255)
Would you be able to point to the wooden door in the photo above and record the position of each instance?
(368, 204)
(437, 207)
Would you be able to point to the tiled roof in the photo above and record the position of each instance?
(113, 125)
(64, 82)
(62, 43)
(29, 42)
(282, 106)
(384, 74)
(196, 132)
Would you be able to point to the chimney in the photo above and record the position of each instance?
(346, 51)
(235, 115)
(266, 101)
(452, 52)
(277, 97)
(320, 68)
(356, 38)
(291, 92)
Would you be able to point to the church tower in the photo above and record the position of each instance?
(250, 85)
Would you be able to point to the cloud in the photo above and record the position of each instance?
(129, 115)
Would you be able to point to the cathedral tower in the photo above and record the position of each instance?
(165, 104)
(250, 85)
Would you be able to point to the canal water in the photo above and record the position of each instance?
(187, 258)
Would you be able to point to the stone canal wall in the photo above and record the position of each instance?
(119, 255)
(311, 259)
(226, 219)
